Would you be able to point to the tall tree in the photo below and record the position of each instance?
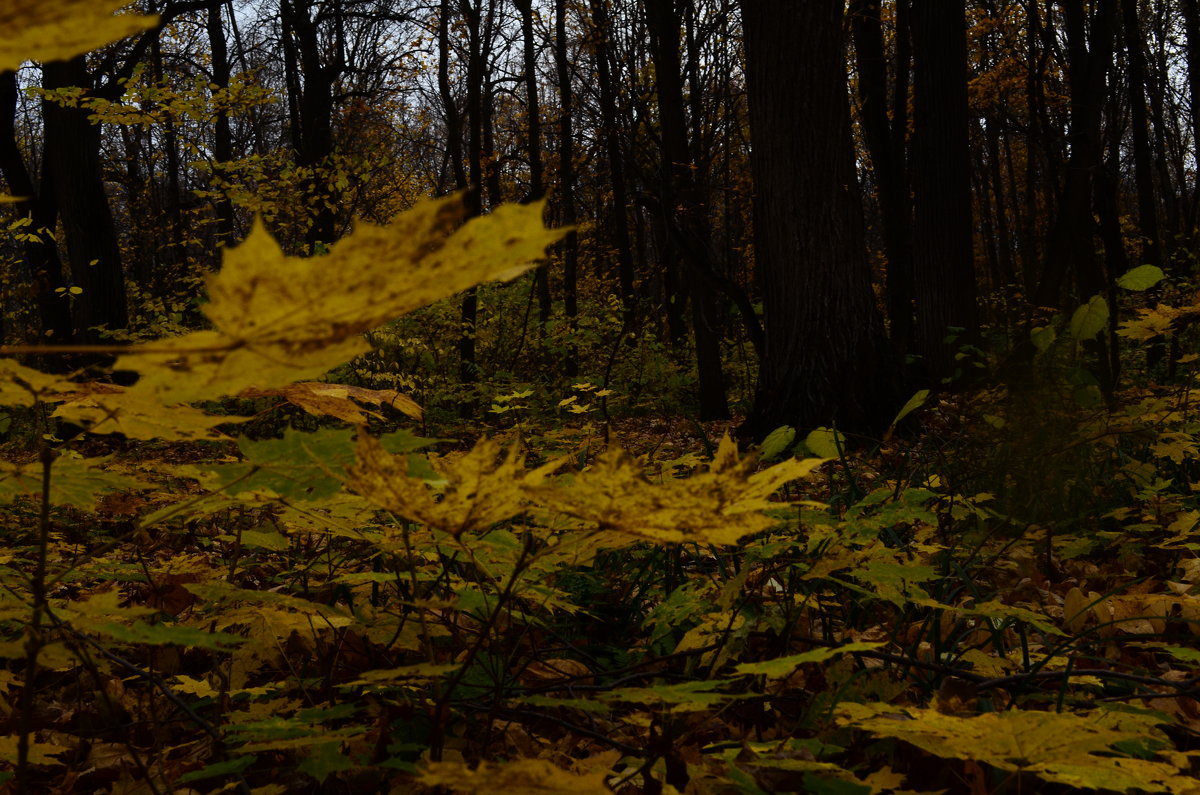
(683, 206)
(36, 202)
(222, 129)
(1071, 249)
(826, 360)
(1143, 159)
(72, 147)
(566, 176)
(316, 56)
(1191, 17)
(885, 131)
(943, 256)
(533, 140)
(614, 152)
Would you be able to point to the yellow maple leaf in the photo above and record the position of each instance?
(53, 30)
(483, 487)
(718, 506)
(338, 400)
(281, 319)
(39, 753)
(1149, 323)
(1064, 748)
(24, 386)
(108, 408)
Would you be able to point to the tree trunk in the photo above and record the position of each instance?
(943, 255)
(887, 154)
(72, 148)
(615, 156)
(222, 131)
(533, 142)
(826, 359)
(1072, 249)
(314, 114)
(1191, 19)
(37, 203)
(1143, 161)
(684, 207)
(566, 175)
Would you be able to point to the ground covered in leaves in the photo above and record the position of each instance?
(335, 611)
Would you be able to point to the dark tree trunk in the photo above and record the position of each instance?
(222, 132)
(37, 203)
(319, 67)
(684, 207)
(1191, 18)
(886, 149)
(1035, 148)
(826, 360)
(1072, 246)
(566, 175)
(454, 128)
(995, 178)
(1143, 161)
(943, 256)
(168, 200)
(533, 141)
(615, 156)
(72, 149)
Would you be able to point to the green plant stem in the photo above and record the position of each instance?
(442, 703)
(34, 640)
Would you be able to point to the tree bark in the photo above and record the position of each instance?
(1191, 19)
(222, 130)
(37, 203)
(887, 152)
(1143, 161)
(683, 206)
(566, 175)
(943, 250)
(615, 157)
(319, 66)
(826, 361)
(72, 148)
(533, 142)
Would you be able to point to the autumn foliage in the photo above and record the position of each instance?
(250, 576)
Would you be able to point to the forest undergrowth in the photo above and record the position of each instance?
(243, 579)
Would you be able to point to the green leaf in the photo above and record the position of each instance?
(1178, 652)
(160, 634)
(219, 769)
(783, 666)
(584, 704)
(895, 580)
(264, 539)
(1143, 277)
(818, 785)
(304, 466)
(406, 675)
(73, 481)
(1089, 319)
(825, 443)
(915, 402)
(1042, 337)
(1088, 397)
(687, 696)
(777, 442)
(325, 759)
(998, 611)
